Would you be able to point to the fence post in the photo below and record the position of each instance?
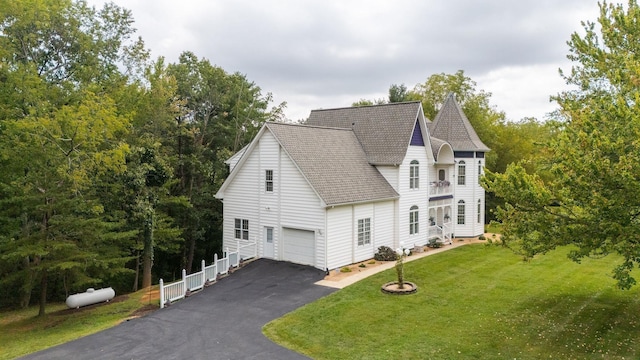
(184, 280)
(215, 263)
(161, 294)
(238, 250)
(204, 273)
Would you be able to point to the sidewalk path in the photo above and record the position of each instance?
(342, 283)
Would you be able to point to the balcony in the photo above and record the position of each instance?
(441, 187)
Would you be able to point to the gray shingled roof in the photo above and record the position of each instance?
(383, 130)
(436, 144)
(452, 126)
(333, 162)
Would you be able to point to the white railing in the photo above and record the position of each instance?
(196, 281)
(440, 188)
(441, 232)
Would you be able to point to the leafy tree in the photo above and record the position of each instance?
(397, 93)
(589, 194)
(57, 226)
(60, 70)
(221, 113)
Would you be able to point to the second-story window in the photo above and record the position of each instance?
(414, 175)
(462, 173)
(268, 180)
(441, 175)
(479, 171)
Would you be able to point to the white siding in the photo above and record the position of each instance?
(390, 173)
(292, 204)
(410, 197)
(237, 205)
(471, 192)
(339, 236)
(342, 231)
(365, 252)
(268, 151)
(300, 207)
(384, 227)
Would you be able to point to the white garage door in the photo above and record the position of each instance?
(298, 246)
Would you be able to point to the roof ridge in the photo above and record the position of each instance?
(308, 126)
(368, 106)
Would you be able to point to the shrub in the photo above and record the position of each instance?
(482, 237)
(345, 269)
(385, 253)
(433, 243)
(362, 265)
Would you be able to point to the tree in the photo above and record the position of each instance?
(60, 70)
(57, 226)
(589, 195)
(221, 113)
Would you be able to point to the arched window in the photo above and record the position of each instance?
(461, 210)
(414, 175)
(441, 175)
(462, 172)
(414, 224)
(479, 211)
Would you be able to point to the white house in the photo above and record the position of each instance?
(330, 192)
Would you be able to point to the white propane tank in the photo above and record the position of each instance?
(90, 297)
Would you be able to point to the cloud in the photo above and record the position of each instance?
(319, 54)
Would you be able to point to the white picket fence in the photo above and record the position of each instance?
(178, 290)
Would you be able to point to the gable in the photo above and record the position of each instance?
(333, 162)
(416, 137)
(384, 131)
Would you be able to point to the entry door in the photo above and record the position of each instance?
(268, 243)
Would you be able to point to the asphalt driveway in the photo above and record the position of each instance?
(223, 321)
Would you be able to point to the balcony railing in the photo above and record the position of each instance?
(442, 187)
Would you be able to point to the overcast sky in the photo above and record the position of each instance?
(324, 54)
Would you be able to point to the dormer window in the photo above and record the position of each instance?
(414, 174)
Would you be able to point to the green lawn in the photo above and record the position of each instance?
(22, 332)
(474, 302)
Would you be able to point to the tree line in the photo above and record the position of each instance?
(109, 160)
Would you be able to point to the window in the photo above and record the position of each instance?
(413, 220)
(462, 179)
(270, 235)
(268, 180)
(441, 175)
(479, 171)
(364, 231)
(461, 212)
(242, 229)
(414, 175)
(479, 210)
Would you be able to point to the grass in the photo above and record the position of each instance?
(493, 227)
(474, 302)
(22, 332)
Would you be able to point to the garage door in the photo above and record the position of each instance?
(298, 246)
